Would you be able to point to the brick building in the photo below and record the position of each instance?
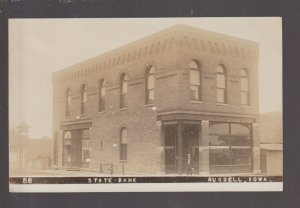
(180, 98)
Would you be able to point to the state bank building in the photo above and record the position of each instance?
(180, 98)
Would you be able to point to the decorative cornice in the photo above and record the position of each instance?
(180, 36)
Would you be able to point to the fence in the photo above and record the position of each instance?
(112, 169)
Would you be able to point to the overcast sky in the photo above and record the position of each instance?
(38, 47)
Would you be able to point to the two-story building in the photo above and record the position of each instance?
(182, 97)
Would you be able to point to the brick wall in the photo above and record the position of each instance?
(171, 91)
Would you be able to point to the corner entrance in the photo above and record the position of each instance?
(181, 141)
(76, 149)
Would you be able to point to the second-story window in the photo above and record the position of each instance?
(195, 81)
(102, 95)
(68, 103)
(221, 84)
(83, 98)
(149, 85)
(123, 91)
(244, 87)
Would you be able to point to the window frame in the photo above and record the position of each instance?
(199, 85)
(86, 149)
(231, 147)
(123, 145)
(67, 143)
(149, 72)
(83, 99)
(123, 96)
(245, 76)
(68, 103)
(224, 90)
(101, 97)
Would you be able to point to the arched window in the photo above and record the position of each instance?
(244, 88)
(67, 135)
(221, 84)
(83, 98)
(149, 85)
(195, 81)
(123, 91)
(123, 144)
(68, 102)
(102, 95)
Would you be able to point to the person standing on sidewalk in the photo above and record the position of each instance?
(189, 164)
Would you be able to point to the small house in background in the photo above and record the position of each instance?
(39, 153)
(17, 142)
(27, 153)
(271, 144)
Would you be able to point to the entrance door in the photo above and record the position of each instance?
(181, 148)
(170, 149)
(76, 149)
(190, 147)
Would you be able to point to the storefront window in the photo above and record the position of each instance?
(67, 149)
(86, 150)
(230, 148)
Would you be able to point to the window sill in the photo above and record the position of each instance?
(81, 116)
(222, 104)
(246, 106)
(148, 105)
(196, 102)
(123, 109)
(101, 112)
(123, 161)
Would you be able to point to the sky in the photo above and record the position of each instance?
(38, 47)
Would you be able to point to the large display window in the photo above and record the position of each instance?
(67, 149)
(230, 148)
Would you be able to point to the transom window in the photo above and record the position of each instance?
(195, 81)
(123, 144)
(123, 91)
(150, 85)
(102, 86)
(221, 84)
(83, 98)
(244, 88)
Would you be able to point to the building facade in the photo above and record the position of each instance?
(178, 100)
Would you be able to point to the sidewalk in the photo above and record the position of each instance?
(91, 173)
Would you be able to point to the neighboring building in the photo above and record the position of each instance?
(271, 144)
(39, 153)
(149, 104)
(26, 153)
(17, 150)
